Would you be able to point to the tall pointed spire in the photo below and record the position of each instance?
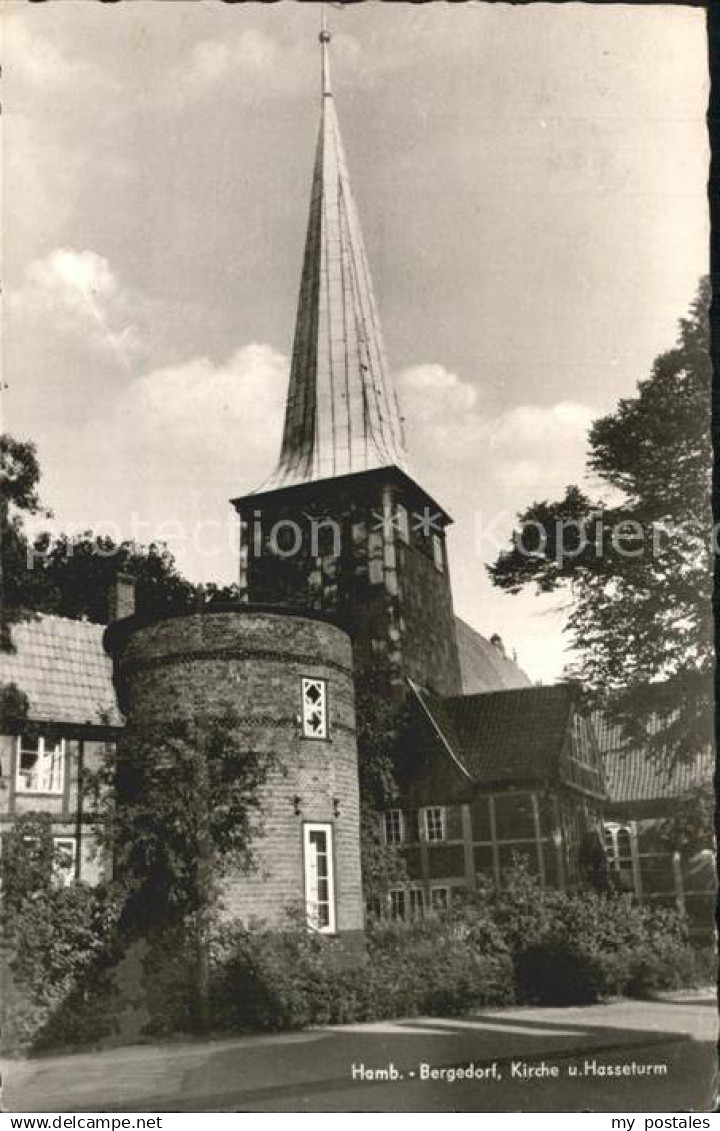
(342, 414)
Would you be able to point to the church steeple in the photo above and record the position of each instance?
(342, 527)
(342, 414)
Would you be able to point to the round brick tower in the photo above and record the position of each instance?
(290, 679)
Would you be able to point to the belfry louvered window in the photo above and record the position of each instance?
(314, 708)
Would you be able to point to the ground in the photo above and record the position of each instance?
(673, 1039)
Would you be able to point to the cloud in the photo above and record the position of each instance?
(244, 60)
(527, 446)
(241, 61)
(39, 63)
(76, 293)
(229, 413)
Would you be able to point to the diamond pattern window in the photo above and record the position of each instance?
(314, 708)
(40, 765)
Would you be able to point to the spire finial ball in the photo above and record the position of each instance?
(324, 36)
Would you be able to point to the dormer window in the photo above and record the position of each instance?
(40, 765)
(314, 708)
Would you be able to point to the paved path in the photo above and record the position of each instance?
(313, 1070)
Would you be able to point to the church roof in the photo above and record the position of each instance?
(342, 414)
(60, 665)
(512, 735)
(484, 666)
(505, 737)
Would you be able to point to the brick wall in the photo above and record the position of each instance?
(254, 663)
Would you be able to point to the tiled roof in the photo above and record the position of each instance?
(506, 736)
(632, 774)
(63, 669)
(483, 666)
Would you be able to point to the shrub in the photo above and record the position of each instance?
(573, 947)
(59, 945)
(558, 971)
(289, 979)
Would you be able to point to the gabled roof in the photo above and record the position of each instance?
(512, 735)
(506, 737)
(633, 774)
(63, 669)
(342, 415)
(483, 665)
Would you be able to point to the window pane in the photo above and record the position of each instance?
(435, 824)
(53, 770)
(319, 893)
(393, 826)
(28, 770)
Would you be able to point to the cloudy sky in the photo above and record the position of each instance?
(531, 183)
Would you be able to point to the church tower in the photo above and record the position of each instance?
(342, 526)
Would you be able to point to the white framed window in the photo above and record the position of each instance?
(397, 903)
(439, 898)
(406, 903)
(619, 849)
(314, 708)
(394, 826)
(438, 553)
(319, 878)
(402, 522)
(65, 858)
(40, 765)
(433, 823)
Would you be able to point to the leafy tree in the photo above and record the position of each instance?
(178, 806)
(690, 827)
(59, 940)
(20, 587)
(638, 560)
(79, 574)
(29, 858)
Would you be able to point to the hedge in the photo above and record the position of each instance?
(519, 944)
